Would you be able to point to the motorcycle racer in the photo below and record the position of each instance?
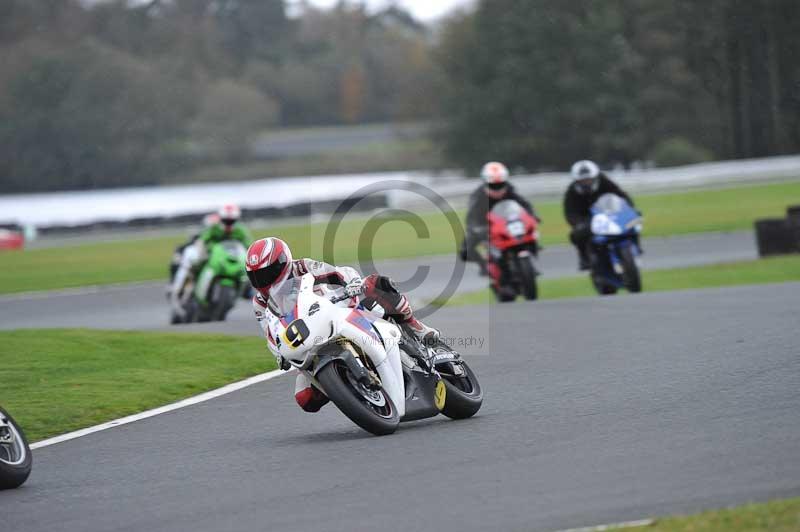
(495, 188)
(195, 255)
(208, 221)
(588, 184)
(269, 262)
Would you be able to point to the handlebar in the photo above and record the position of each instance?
(339, 299)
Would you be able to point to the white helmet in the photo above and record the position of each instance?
(229, 214)
(586, 176)
(210, 219)
(495, 178)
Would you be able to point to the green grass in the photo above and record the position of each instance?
(55, 381)
(774, 516)
(140, 260)
(763, 271)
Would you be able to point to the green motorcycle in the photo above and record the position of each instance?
(215, 288)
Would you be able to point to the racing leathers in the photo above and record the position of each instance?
(379, 296)
(480, 204)
(577, 211)
(195, 255)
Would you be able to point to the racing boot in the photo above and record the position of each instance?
(383, 291)
(426, 335)
(405, 315)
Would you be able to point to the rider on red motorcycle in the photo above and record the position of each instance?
(269, 262)
(495, 188)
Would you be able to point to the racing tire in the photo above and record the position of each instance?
(527, 278)
(226, 295)
(631, 277)
(603, 288)
(464, 395)
(340, 390)
(15, 458)
(504, 294)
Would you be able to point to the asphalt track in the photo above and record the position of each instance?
(143, 306)
(597, 410)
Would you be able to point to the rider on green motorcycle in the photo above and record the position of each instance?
(194, 256)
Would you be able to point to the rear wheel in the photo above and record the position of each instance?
(464, 395)
(372, 410)
(631, 277)
(15, 454)
(527, 277)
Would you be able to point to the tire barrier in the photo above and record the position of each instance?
(793, 219)
(774, 236)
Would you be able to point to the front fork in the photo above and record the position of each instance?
(613, 255)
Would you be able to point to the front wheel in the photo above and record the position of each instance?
(631, 277)
(464, 394)
(372, 410)
(527, 277)
(15, 454)
(226, 295)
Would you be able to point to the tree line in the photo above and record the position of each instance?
(540, 83)
(111, 93)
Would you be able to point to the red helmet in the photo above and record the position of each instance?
(269, 261)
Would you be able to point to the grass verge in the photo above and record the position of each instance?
(58, 380)
(763, 271)
(140, 260)
(774, 516)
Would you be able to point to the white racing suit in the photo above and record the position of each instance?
(383, 300)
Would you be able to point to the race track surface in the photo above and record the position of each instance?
(597, 410)
(143, 306)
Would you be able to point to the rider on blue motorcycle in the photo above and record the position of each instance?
(588, 184)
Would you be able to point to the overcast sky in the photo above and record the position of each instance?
(422, 9)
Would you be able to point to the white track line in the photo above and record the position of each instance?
(161, 410)
(601, 528)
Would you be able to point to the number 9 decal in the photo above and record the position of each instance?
(295, 334)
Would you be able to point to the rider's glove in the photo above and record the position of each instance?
(283, 363)
(354, 288)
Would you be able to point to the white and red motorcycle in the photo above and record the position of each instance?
(377, 373)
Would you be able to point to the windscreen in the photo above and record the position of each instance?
(609, 204)
(283, 296)
(508, 209)
(234, 248)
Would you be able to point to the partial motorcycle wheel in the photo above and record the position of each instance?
(371, 410)
(464, 394)
(527, 278)
(15, 454)
(631, 277)
(603, 287)
(226, 295)
(504, 294)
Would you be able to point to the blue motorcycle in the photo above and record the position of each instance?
(614, 251)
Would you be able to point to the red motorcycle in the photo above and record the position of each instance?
(512, 248)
